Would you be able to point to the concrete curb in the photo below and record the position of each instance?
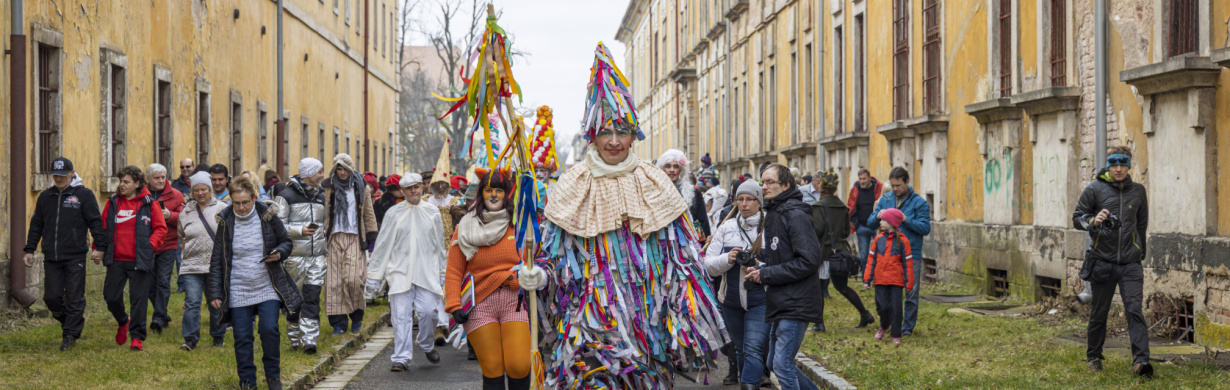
(328, 362)
(819, 375)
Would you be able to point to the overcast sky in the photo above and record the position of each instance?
(560, 36)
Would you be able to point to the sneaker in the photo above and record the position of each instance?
(274, 383)
(67, 343)
(896, 340)
(136, 345)
(1143, 369)
(356, 327)
(880, 334)
(121, 334)
(188, 346)
(309, 349)
(433, 356)
(338, 331)
(156, 327)
(219, 343)
(907, 333)
(1095, 365)
(398, 367)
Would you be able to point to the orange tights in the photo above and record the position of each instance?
(502, 348)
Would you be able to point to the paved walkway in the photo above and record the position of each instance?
(369, 369)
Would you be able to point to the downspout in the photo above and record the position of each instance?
(280, 138)
(726, 70)
(17, 160)
(820, 151)
(1099, 101)
(367, 36)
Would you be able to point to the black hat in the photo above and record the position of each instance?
(61, 166)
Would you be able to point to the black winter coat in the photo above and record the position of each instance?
(273, 233)
(838, 214)
(792, 257)
(1126, 200)
(382, 206)
(60, 221)
(697, 209)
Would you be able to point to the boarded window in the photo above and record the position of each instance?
(860, 73)
(901, 59)
(931, 57)
(162, 121)
(202, 127)
(1059, 46)
(1183, 25)
(1005, 48)
(236, 133)
(48, 111)
(839, 90)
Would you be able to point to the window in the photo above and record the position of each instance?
(335, 8)
(810, 107)
(901, 59)
(654, 58)
(348, 12)
(794, 101)
(348, 143)
(337, 143)
(48, 110)
(115, 121)
(931, 56)
(839, 75)
(762, 124)
(1184, 22)
(236, 133)
(1005, 48)
(358, 17)
(1059, 48)
(305, 138)
(163, 132)
(320, 143)
(772, 107)
(860, 73)
(385, 37)
(262, 132)
(202, 126)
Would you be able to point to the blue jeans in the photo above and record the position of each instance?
(865, 235)
(242, 320)
(160, 290)
(194, 285)
(179, 280)
(786, 338)
(911, 297)
(750, 334)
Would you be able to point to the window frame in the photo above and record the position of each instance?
(164, 120)
(52, 116)
(236, 132)
(262, 133)
(113, 128)
(203, 124)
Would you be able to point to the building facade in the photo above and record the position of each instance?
(990, 104)
(117, 83)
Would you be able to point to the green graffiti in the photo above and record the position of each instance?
(990, 175)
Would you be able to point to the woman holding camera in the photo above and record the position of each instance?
(738, 240)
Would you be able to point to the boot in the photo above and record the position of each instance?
(471, 355)
(818, 327)
(865, 319)
(519, 384)
(749, 386)
(732, 377)
(824, 286)
(339, 323)
(496, 383)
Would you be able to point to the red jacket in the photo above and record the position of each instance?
(852, 200)
(173, 201)
(124, 242)
(893, 266)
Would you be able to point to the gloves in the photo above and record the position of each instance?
(373, 285)
(534, 279)
(460, 317)
(371, 238)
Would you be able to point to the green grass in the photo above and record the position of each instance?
(977, 351)
(30, 356)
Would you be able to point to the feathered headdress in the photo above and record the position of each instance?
(543, 144)
(608, 102)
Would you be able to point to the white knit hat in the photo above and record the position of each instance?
(199, 178)
(309, 167)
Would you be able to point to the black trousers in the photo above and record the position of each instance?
(160, 289)
(1130, 280)
(65, 294)
(890, 303)
(344, 321)
(118, 275)
(841, 282)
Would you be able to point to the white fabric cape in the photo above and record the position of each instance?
(409, 251)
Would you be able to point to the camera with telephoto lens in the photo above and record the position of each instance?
(746, 259)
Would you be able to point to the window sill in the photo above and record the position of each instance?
(1048, 100)
(40, 182)
(926, 124)
(994, 110)
(1221, 57)
(895, 130)
(846, 140)
(1174, 74)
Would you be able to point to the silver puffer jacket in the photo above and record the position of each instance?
(299, 205)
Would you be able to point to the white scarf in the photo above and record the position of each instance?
(599, 168)
(473, 234)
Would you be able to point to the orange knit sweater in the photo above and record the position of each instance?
(490, 267)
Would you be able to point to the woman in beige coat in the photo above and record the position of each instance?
(197, 227)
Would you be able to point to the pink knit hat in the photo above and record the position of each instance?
(893, 216)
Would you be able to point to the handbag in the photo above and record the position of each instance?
(839, 261)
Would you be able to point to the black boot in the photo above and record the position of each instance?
(818, 327)
(749, 386)
(519, 384)
(824, 286)
(496, 383)
(866, 319)
(471, 355)
(732, 377)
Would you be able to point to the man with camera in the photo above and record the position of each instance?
(301, 207)
(1115, 212)
(792, 257)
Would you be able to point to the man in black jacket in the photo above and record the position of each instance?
(62, 214)
(792, 258)
(1115, 212)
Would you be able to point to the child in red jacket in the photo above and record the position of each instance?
(890, 267)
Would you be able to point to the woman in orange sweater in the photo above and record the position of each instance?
(484, 247)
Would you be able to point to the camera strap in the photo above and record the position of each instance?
(751, 243)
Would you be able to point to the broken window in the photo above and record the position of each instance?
(1005, 48)
(202, 127)
(48, 114)
(236, 133)
(1059, 46)
(901, 59)
(1184, 24)
(931, 57)
(162, 118)
(998, 279)
(1048, 287)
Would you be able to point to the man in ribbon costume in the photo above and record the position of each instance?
(628, 304)
(410, 257)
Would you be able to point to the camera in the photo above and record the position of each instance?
(746, 259)
(1111, 222)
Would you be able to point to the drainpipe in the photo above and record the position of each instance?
(1099, 100)
(17, 160)
(367, 36)
(820, 151)
(280, 138)
(729, 95)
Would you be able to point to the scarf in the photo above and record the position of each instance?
(473, 234)
(752, 222)
(599, 168)
(340, 204)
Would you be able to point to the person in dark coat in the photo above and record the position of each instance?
(62, 215)
(1114, 210)
(831, 212)
(675, 164)
(391, 197)
(247, 282)
(791, 261)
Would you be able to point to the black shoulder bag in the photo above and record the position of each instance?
(839, 261)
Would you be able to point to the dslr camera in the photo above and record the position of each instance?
(746, 259)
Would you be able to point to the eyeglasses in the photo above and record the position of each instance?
(1119, 161)
(770, 182)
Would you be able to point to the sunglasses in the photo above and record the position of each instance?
(1118, 161)
(186, 166)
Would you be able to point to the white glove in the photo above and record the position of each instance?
(373, 285)
(534, 279)
(457, 338)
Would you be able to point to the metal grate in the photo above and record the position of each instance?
(999, 282)
(1185, 322)
(901, 59)
(1183, 25)
(839, 108)
(931, 57)
(1048, 287)
(930, 271)
(1059, 46)
(1005, 48)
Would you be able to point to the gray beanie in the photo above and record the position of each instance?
(752, 188)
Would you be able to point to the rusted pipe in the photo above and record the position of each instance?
(17, 161)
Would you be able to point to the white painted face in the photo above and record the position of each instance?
(672, 170)
(613, 145)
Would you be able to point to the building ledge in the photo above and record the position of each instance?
(1048, 100)
(799, 148)
(683, 75)
(926, 124)
(737, 8)
(700, 46)
(846, 140)
(1221, 57)
(1175, 74)
(994, 110)
(716, 31)
(894, 130)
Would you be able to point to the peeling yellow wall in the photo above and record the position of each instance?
(1221, 12)
(965, 72)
